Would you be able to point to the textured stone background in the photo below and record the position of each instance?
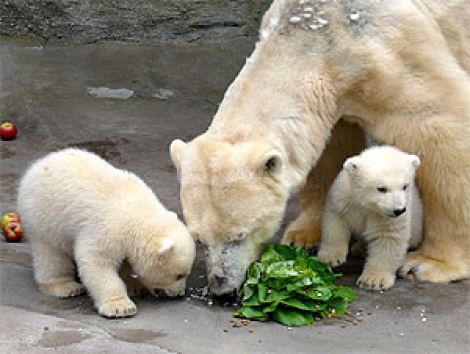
(145, 21)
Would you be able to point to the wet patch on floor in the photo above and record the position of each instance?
(54, 339)
(133, 335)
(9, 183)
(108, 149)
(16, 257)
(6, 152)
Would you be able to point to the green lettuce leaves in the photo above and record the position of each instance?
(290, 287)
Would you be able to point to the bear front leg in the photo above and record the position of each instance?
(335, 239)
(385, 256)
(346, 140)
(100, 276)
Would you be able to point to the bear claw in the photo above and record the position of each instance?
(376, 281)
(118, 308)
(332, 257)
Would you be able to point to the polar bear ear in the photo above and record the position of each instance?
(176, 149)
(415, 161)
(271, 163)
(351, 164)
(166, 245)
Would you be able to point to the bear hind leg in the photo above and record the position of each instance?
(54, 271)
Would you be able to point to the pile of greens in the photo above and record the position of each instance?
(289, 286)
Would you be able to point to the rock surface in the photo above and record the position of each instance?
(87, 21)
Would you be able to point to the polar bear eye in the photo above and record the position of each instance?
(405, 187)
(382, 189)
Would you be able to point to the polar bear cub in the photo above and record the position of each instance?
(78, 209)
(375, 200)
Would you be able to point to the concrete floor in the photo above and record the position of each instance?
(45, 91)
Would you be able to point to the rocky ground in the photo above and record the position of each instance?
(127, 102)
(85, 21)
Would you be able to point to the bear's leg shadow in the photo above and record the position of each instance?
(346, 140)
(54, 271)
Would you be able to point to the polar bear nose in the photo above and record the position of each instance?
(398, 212)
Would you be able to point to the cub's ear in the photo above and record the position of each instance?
(176, 149)
(271, 163)
(166, 245)
(415, 161)
(351, 164)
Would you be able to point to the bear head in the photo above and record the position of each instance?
(381, 178)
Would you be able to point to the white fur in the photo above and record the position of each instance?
(77, 207)
(356, 207)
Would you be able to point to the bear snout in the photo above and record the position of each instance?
(398, 212)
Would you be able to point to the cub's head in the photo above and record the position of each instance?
(165, 261)
(233, 199)
(381, 178)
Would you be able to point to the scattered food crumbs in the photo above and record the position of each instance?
(402, 334)
(343, 326)
(46, 328)
(289, 328)
(251, 331)
(186, 321)
(245, 322)
(225, 330)
(398, 308)
(369, 313)
(424, 319)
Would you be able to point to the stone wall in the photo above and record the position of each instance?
(146, 21)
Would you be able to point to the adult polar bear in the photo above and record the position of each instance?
(397, 69)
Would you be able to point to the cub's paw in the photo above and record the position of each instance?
(376, 280)
(332, 256)
(117, 308)
(62, 289)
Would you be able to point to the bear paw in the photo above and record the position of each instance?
(417, 266)
(117, 308)
(333, 257)
(376, 280)
(63, 289)
(307, 238)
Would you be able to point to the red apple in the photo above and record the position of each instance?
(11, 216)
(8, 131)
(13, 231)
